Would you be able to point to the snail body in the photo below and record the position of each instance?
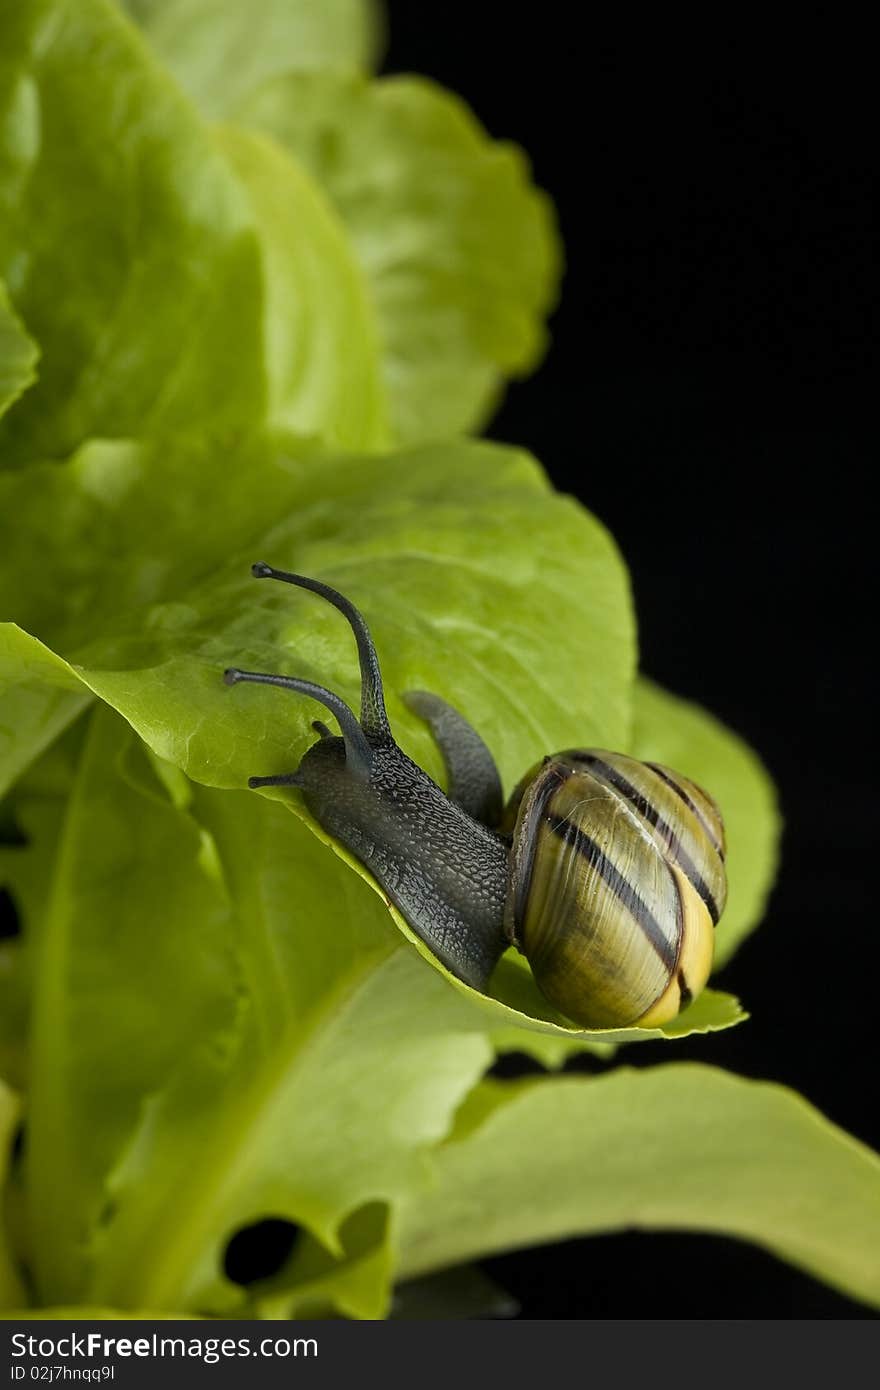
(605, 872)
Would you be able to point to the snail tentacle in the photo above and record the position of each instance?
(474, 780)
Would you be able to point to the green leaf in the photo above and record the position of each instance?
(219, 50)
(87, 1314)
(515, 1004)
(18, 354)
(34, 815)
(120, 518)
(458, 248)
(683, 736)
(355, 1283)
(13, 1011)
(677, 1146)
(541, 634)
(125, 242)
(222, 1031)
(40, 696)
(533, 642)
(128, 896)
(429, 542)
(321, 346)
(11, 1291)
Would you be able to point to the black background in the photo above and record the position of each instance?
(706, 395)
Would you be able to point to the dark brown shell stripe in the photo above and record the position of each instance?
(620, 886)
(588, 888)
(552, 778)
(670, 835)
(698, 802)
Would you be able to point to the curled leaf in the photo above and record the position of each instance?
(11, 1291)
(678, 1146)
(219, 50)
(18, 354)
(125, 242)
(458, 249)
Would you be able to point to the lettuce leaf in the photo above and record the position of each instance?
(214, 1015)
(11, 1290)
(459, 251)
(382, 530)
(18, 354)
(321, 345)
(32, 819)
(125, 241)
(219, 1027)
(220, 50)
(534, 642)
(680, 1146)
(40, 696)
(224, 1029)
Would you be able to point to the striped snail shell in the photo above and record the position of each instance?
(617, 880)
(607, 873)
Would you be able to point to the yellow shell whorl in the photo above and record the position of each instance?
(617, 877)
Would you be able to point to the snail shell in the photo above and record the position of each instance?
(617, 880)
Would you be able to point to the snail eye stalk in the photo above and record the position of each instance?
(282, 779)
(374, 720)
(357, 749)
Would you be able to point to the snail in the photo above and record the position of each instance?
(607, 873)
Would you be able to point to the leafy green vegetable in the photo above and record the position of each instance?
(393, 524)
(125, 241)
(86, 1314)
(459, 250)
(201, 1052)
(219, 51)
(213, 1016)
(354, 1282)
(107, 860)
(18, 354)
(683, 736)
(321, 348)
(39, 697)
(202, 983)
(33, 816)
(11, 1292)
(535, 643)
(13, 1011)
(676, 1146)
